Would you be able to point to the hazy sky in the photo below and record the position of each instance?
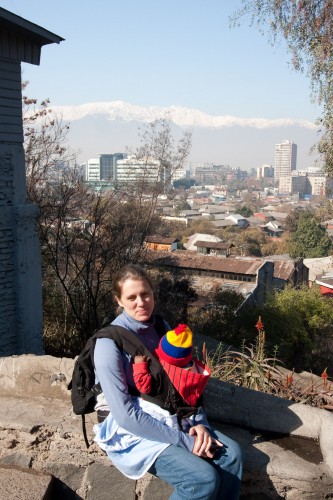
(163, 53)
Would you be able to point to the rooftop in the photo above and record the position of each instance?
(211, 244)
(161, 239)
(185, 260)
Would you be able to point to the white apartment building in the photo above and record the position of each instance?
(133, 170)
(285, 158)
(265, 171)
(292, 184)
(311, 182)
(180, 173)
(93, 170)
(118, 168)
(321, 185)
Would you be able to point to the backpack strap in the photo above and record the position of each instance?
(128, 342)
(84, 430)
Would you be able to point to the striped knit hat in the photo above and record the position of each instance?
(175, 346)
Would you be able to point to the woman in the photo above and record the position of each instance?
(201, 463)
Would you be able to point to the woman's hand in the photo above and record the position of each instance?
(203, 442)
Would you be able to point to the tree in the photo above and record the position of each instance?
(200, 226)
(291, 221)
(324, 211)
(85, 236)
(275, 247)
(47, 154)
(219, 319)
(244, 210)
(296, 322)
(171, 229)
(307, 27)
(183, 183)
(182, 205)
(173, 298)
(298, 325)
(250, 242)
(158, 143)
(309, 239)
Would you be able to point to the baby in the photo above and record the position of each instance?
(188, 375)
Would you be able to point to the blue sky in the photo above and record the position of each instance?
(149, 52)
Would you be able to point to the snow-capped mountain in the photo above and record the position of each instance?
(106, 127)
(183, 117)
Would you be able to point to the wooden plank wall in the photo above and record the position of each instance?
(11, 128)
(19, 48)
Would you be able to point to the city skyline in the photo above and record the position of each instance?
(175, 54)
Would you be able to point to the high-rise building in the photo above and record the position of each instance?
(108, 165)
(285, 158)
(104, 168)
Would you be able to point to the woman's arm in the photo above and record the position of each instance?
(110, 373)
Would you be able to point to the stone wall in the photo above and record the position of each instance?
(40, 433)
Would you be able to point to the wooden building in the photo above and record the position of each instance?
(216, 248)
(20, 261)
(161, 244)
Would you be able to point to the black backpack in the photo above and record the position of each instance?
(83, 387)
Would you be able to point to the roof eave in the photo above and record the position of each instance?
(12, 22)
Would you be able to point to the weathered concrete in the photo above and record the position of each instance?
(41, 433)
(23, 484)
(267, 413)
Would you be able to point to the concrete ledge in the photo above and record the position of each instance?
(39, 431)
(42, 376)
(267, 413)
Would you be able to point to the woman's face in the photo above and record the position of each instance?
(137, 299)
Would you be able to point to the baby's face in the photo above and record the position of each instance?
(189, 366)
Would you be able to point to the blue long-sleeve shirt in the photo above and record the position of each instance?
(127, 423)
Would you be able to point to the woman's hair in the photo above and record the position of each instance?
(130, 271)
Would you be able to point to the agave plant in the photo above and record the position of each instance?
(251, 368)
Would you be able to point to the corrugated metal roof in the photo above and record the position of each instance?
(185, 260)
(283, 269)
(224, 223)
(160, 239)
(211, 244)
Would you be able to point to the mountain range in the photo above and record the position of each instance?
(107, 127)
